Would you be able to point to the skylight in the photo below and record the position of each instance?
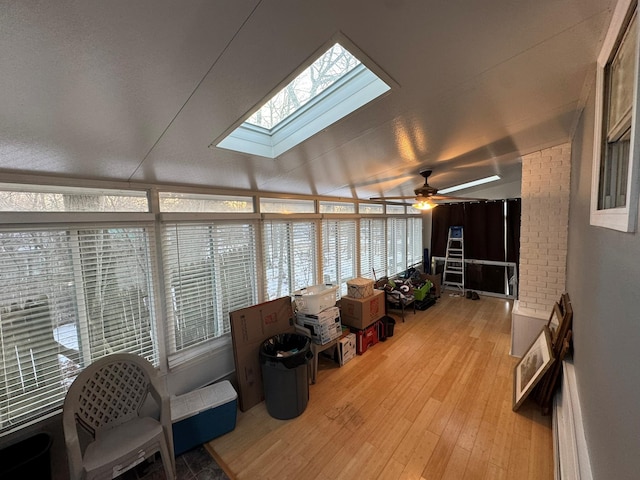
(333, 86)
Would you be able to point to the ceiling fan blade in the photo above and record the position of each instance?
(393, 198)
(447, 198)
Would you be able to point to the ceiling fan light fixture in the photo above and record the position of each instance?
(424, 205)
(473, 183)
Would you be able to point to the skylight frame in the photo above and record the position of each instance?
(360, 86)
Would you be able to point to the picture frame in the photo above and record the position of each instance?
(555, 323)
(565, 303)
(532, 366)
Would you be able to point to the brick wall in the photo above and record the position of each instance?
(543, 230)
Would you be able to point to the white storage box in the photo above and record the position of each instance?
(346, 348)
(360, 288)
(202, 415)
(313, 300)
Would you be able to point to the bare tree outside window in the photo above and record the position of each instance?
(320, 75)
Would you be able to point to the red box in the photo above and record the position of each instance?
(365, 338)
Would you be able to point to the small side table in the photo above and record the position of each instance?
(316, 350)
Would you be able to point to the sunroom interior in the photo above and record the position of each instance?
(146, 191)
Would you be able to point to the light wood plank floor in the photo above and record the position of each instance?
(432, 402)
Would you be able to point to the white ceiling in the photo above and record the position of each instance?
(138, 90)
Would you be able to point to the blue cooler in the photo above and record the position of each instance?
(202, 415)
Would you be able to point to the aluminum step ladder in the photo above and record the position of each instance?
(453, 275)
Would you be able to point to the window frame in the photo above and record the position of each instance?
(625, 218)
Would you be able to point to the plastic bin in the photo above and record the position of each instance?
(27, 459)
(284, 361)
(313, 300)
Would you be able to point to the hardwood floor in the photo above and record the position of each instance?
(432, 402)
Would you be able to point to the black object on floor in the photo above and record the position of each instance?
(426, 303)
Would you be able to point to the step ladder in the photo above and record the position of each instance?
(453, 275)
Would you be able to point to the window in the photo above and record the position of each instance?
(414, 241)
(210, 269)
(373, 248)
(286, 206)
(337, 207)
(333, 86)
(195, 202)
(69, 296)
(290, 258)
(338, 252)
(614, 191)
(50, 198)
(371, 208)
(396, 245)
(395, 209)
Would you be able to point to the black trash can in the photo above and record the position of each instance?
(27, 459)
(388, 322)
(284, 360)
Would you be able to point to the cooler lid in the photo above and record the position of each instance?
(202, 399)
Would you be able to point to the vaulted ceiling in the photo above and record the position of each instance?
(138, 90)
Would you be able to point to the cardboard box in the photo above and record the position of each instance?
(250, 327)
(202, 415)
(346, 348)
(362, 312)
(366, 338)
(324, 326)
(323, 334)
(360, 288)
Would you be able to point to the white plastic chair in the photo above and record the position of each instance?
(105, 401)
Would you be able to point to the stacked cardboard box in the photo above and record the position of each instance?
(324, 326)
(362, 312)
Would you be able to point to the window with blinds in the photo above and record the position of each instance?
(290, 258)
(373, 248)
(210, 269)
(414, 241)
(339, 252)
(396, 245)
(69, 296)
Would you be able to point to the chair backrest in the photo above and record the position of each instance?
(110, 391)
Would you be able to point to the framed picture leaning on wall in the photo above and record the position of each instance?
(532, 367)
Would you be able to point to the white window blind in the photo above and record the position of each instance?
(210, 269)
(339, 252)
(290, 257)
(373, 248)
(414, 240)
(396, 245)
(69, 296)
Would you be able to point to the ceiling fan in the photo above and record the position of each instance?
(426, 197)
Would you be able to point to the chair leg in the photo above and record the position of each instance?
(168, 461)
